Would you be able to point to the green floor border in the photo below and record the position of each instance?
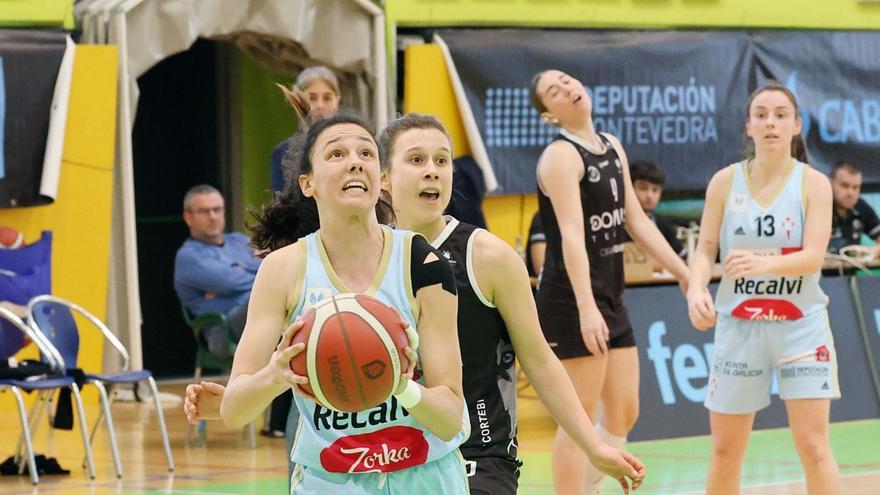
(674, 466)
(680, 465)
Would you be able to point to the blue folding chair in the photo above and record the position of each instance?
(52, 317)
(44, 386)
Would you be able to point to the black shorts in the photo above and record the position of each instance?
(492, 475)
(560, 322)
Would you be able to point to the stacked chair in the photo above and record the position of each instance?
(45, 386)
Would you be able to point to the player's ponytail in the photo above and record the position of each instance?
(291, 215)
(298, 100)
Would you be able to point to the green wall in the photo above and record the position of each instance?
(266, 120)
(800, 14)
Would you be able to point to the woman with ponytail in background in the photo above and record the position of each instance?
(320, 87)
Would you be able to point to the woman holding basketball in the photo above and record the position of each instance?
(496, 315)
(586, 200)
(497, 319)
(771, 217)
(419, 429)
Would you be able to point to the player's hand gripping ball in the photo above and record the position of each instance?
(354, 351)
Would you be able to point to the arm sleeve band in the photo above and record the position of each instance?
(433, 272)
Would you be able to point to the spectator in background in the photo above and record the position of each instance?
(536, 247)
(214, 271)
(468, 190)
(852, 215)
(648, 181)
(322, 88)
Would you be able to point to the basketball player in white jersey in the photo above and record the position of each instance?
(411, 440)
(771, 217)
(587, 205)
(497, 319)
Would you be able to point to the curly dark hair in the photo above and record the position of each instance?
(291, 215)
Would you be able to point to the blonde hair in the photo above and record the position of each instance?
(297, 99)
(318, 72)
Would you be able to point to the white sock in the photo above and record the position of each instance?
(593, 478)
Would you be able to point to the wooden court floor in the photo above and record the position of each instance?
(228, 465)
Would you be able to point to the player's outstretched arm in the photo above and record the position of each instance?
(503, 279)
(261, 368)
(643, 230)
(441, 407)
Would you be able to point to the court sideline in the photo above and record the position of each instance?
(229, 466)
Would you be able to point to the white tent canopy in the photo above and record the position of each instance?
(285, 35)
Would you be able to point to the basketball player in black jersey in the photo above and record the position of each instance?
(586, 199)
(496, 316)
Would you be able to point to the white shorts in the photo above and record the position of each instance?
(747, 352)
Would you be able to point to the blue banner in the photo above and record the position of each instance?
(868, 290)
(674, 360)
(674, 98)
(25, 273)
(834, 76)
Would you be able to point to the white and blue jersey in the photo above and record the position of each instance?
(773, 229)
(379, 440)
(769, 324)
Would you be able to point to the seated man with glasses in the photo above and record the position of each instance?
(213, 270)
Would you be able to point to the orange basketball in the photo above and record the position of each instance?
(354, 352)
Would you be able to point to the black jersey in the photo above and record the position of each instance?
(489, 375)
(602, 202)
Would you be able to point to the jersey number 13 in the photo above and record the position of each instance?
(766, 226)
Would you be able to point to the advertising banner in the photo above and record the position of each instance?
(868, 289)
(674, 361)
(834, 76)
(673, 98)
